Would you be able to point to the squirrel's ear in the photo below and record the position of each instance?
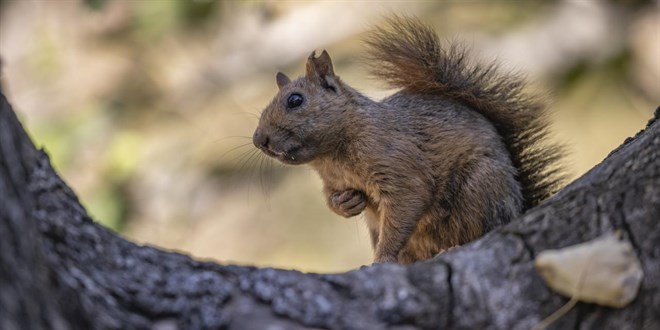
(282, 80)
(320, 69)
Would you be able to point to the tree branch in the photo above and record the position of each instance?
(59, 269)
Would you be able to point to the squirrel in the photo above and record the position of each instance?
(459, 150)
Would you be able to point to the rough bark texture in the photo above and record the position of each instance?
(59, 269)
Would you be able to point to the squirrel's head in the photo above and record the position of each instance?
(303, 120)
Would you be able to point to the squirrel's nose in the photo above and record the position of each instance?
(260, 139)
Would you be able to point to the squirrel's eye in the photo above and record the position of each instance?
(294, 101)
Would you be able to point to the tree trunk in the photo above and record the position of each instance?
(59, 269)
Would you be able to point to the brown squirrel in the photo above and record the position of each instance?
(458, 151)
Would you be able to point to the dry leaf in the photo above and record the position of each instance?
(605, 271)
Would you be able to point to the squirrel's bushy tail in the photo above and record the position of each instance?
(408, 54)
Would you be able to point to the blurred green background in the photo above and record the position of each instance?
(147, 106)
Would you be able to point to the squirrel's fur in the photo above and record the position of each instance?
(459, 150)
(408, 54)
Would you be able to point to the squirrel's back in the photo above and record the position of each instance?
(408, 54)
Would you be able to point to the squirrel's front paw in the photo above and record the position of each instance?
(348, 203)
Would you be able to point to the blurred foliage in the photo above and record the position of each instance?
(95, 4)
(198, 13)
(616, 68)
(147, 107)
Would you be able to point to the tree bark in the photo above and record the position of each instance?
(59, 269)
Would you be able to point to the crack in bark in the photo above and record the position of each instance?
(626, 227)
(452, 298)
(450, 292)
